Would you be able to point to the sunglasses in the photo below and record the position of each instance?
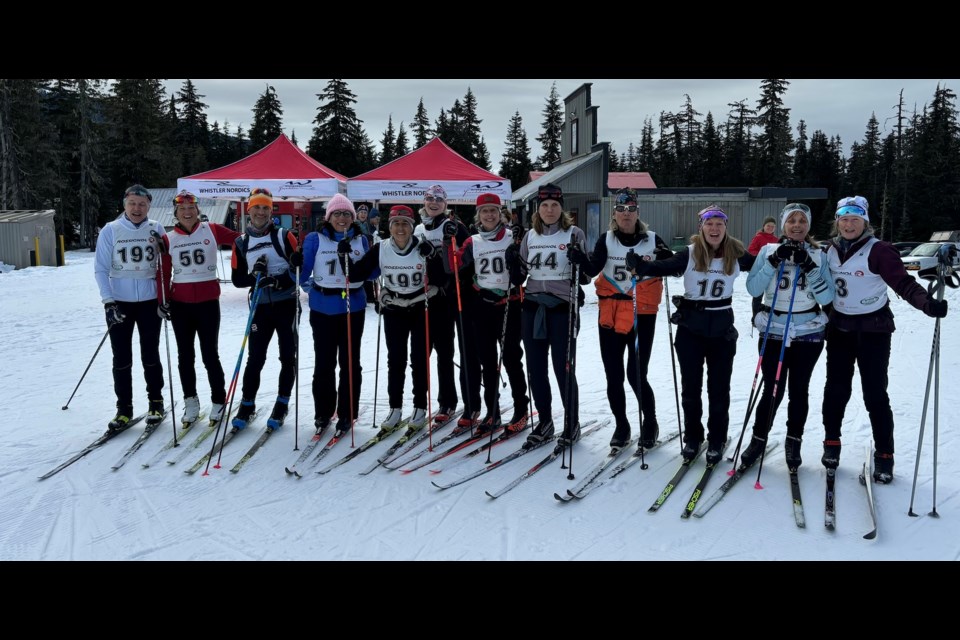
(620, 208)
(434, 199)
(851, 210)
(186, 198)
(261, 191)
(140, 191)
(712, 213)
(343, 213)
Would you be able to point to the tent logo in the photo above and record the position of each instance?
(293, 185)
(486, 186)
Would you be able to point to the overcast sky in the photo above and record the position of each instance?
(837, 107)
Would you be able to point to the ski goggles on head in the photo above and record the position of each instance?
(138, 190)
(796, 206)
(184, 197)
(261, 191)
(712, 212)
(851, 210)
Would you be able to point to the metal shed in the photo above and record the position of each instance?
(161, 208)
(18, 230)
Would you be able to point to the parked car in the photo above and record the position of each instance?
(924, 256)
(906, 247)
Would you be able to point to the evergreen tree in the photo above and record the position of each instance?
(442, 127)
(267, 119)
(800, 173)
(471, 136)
(241, 146)
(193, 134)
(339, 141)
(738, 144)
(863, 167)
(687, 129)
(516, 164)
(632, 162)
(824, 168)
(29, 156)
(552, 131)
(421, 127)
(401, 147)
(935, 166)
(774, 142)
(293, 136)
(711, 150)
(614, 161)
(645, 154)
(483, 155)
(387, 151)
(665, 151)
(89, 156)
(139, 138)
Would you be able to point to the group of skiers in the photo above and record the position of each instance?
(513, 297)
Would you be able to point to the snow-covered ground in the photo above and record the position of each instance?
(52, 323)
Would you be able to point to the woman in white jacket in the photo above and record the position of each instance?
(802, 260)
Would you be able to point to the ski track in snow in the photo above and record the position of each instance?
(88, 512)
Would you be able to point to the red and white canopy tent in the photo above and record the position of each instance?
(407, 178)
(281, 167)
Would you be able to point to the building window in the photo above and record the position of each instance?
(574, 137)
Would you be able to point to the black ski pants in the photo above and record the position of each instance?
(487, 320)
(144, 316)
(554, 344)
(269, 318)
(198, 320)
(612, 346)
(330, 347)
(405, 326)
(799, 359)
(693, 351)
(871, 353)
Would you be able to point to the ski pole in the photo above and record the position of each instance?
(636, 350)
(776, 380)
(426, 329)
(102, 340)
(569, 413)
(376, 373)
(231, 392)
(754, 396)
(161, 246)
(673, 361)
(346, 296)
(296, 362)
(465, 369)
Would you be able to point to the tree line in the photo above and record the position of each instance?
(73, 145)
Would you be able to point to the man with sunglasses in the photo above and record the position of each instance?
(439, 226)
(126, 272)
(264, 257)
(193, 301)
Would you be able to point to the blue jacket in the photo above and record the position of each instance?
(327, 302)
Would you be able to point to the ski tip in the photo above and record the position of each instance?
(757, 486)
(289, 472)
(557, 496)
(435, 471)
(436, 485)
(234, 470)
(404, 472)
(491, 495)
(870, 536)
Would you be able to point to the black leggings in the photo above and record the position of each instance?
(268, 318)
(144, 316)
(198, 320)
(330, 348)
(693, 350)
(487, 319)
(871, 353)
(612, 345)
(799, 359)
(403, 326)
(555, 344)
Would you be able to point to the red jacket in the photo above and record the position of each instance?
(759, 240)
(195, 291)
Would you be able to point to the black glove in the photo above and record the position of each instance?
(449, 229)
(512, 256)
(161, 245)
(935, 308)
(783, 252)
(426, 249)
(576, 255)
(268, 282)
(803, 260)
(163, 310)
(114, 315)
(259, 267)
(344, 248)
(296, 259)
(637, 264)
(517, 232)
